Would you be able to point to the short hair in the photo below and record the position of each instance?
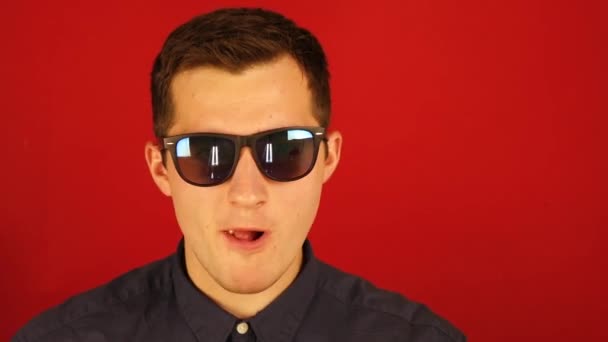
(235, 39)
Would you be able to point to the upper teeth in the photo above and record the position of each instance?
(231, 232)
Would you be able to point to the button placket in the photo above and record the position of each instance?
(242, 328)
(242, 332)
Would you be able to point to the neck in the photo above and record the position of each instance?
(240, 305)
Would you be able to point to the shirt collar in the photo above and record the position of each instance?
(278, 322)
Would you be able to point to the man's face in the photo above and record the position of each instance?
(263, 97)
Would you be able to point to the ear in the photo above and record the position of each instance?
(158, 171)
(332, 157)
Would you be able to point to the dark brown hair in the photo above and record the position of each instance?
(235, 39)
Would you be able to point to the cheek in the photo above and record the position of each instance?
(301, 201)
(193, 206)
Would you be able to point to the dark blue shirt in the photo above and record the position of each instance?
(158, 302)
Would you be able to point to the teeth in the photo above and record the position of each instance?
(231, 232)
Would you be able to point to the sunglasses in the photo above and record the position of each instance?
(282, 154)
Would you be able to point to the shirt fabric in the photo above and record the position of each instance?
(159, 302)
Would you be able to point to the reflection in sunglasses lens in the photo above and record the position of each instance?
(205, 160)
(286, 155)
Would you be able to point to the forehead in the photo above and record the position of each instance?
(262, 97)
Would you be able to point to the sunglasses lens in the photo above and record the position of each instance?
(205, 160)
(286, 155)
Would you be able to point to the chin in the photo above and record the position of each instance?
(248, 285)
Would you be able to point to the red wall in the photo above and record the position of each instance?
(473, 175)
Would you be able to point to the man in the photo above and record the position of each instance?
(241, 104)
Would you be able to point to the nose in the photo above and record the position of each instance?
(248, 187)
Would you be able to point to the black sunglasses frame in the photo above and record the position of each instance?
(240, 141)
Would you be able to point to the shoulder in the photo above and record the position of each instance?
(373, 310)
(102, 305)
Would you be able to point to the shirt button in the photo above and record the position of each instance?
(242, 328)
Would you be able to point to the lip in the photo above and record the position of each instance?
(245, 246)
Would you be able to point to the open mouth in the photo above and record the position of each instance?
(245, 235)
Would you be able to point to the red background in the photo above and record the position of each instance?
(473, 175)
